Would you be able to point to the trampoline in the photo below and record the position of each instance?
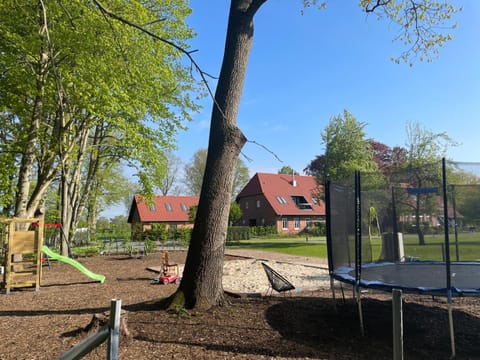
(406, 205)
(350, 203)
(427, 277)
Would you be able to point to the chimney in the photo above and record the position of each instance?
(294, 182)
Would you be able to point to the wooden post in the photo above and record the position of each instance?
(8, 254)
(38, 243)
(397, 312)
(113, 340)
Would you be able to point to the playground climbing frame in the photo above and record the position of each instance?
(22, 240)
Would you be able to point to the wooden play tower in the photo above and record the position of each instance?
(22, 240)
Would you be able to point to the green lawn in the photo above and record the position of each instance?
(468, 246)
(314, 247)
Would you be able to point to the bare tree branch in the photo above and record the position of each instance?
(379, 3)
(253, 7)
(265, 148)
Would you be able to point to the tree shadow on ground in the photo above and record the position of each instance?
(335, 333)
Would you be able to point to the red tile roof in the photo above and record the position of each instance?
(164, 209)
(273, 186)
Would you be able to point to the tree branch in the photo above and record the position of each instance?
(378, 4)
(265, 148)
(254, 6)
(252, 9)
(202, 73)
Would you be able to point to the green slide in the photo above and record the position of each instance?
(75, 264)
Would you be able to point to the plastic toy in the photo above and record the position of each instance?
(168, 279)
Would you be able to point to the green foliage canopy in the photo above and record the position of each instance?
(66, 68)
(346, 148)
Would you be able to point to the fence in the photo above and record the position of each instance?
(110, 332)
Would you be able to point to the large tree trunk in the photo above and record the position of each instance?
(73, 194)
(201, 285)
(31, 142)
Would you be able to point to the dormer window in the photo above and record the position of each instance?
(152, 207)
(301, 202)
(184, 207)
(168, 206)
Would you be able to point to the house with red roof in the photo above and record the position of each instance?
(172, 211)
(289, 202)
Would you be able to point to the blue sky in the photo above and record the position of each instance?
(304, 69)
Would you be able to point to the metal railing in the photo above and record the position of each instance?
(110, 332)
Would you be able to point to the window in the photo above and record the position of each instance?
(296, 223)
(301, 202)
(281, 200)
(246, 204)
(258, 204)
(314, 200)
(184, 207)
(152, 207)
(263, 221)
(168, 206)
(284, 223)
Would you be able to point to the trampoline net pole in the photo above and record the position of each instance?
(397, 319)
(360, 313)
(358, 231)
(452, 333)
(328, 223)
(332, 288)
(358, 249)
(447, 257)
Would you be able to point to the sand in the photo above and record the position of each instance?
(248, 276)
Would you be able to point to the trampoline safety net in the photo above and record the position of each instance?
(426, 215)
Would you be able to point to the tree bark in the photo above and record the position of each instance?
(418, 225)
(73, 194)
(28, 156)
(201, 285)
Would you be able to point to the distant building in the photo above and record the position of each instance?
(289, 202)
(172, 211)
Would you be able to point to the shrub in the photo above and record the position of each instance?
(318, 229)
(158, 232)
(184, 235)
(263, 230)
(237, 233)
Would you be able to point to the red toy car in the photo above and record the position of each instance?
(169, 279)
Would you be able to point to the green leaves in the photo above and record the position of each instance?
(423, 25)
(70, 70)
(346, 148)
(424, 146)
